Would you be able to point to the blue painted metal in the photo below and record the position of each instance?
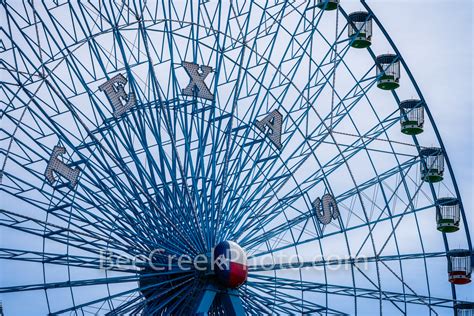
(180, 173)
(229, 298)
(205, 301)
(233, 303)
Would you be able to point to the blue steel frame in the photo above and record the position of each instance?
(181, 173)
(438, 136)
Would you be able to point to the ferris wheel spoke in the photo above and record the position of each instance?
(294, 195)
(129, 174)
(117, 223)
(230, 143)
(352, 149)
(403, 169)
(154, 169)
(62, 205)
(374, 284)
(314, 287)
(293, 73)
(141, 132)
(164, 297)
(371, 223)
(305, 216)
(370, 235)
(171, 44)
(96, 232)
(119, 294)
(408, 208)
(254, 305)
(349, 96)
(170, 199)
(59, 259)
(267, 304)
(203, 125)
(149, 60)
(109, 252)
(355, 227)
(354, 261)
(141, 125)
(62, 100)
(288, 303)
(324, 135)
(130, 306)
(82, 240)
(406, 286)
(207, 130)
(82, 219)
(156, 88)
(262, 238)
(373, 203)
(272, 211)
(165, 217)
(67, 284)
(143, 304)
(320, 139)
(207, 127)
(162, 301)
(424, 256)
(59, 207)
(342, 262)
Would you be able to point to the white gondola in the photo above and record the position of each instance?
(459, 266)
(388, 71)
(448, 214)
(432, 164)
(360, 29)
(464, 309)
(328, 5)
(412, 117)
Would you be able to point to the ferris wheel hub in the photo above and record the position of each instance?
(230, 264)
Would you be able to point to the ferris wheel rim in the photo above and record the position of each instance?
(340, 152)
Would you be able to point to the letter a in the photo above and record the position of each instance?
(273, 123)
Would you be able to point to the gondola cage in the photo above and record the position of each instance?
(328, 5)
(388, 71)
(360, 29)
(464, 309)
(459, 266)
(448, 214)
(412, 117)
(432, 164)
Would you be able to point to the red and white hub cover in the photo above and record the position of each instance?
(230, 264)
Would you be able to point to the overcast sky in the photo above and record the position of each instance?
(435, 39)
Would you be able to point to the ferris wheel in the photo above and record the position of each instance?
(220, 158)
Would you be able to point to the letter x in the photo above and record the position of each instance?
(197, 84)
